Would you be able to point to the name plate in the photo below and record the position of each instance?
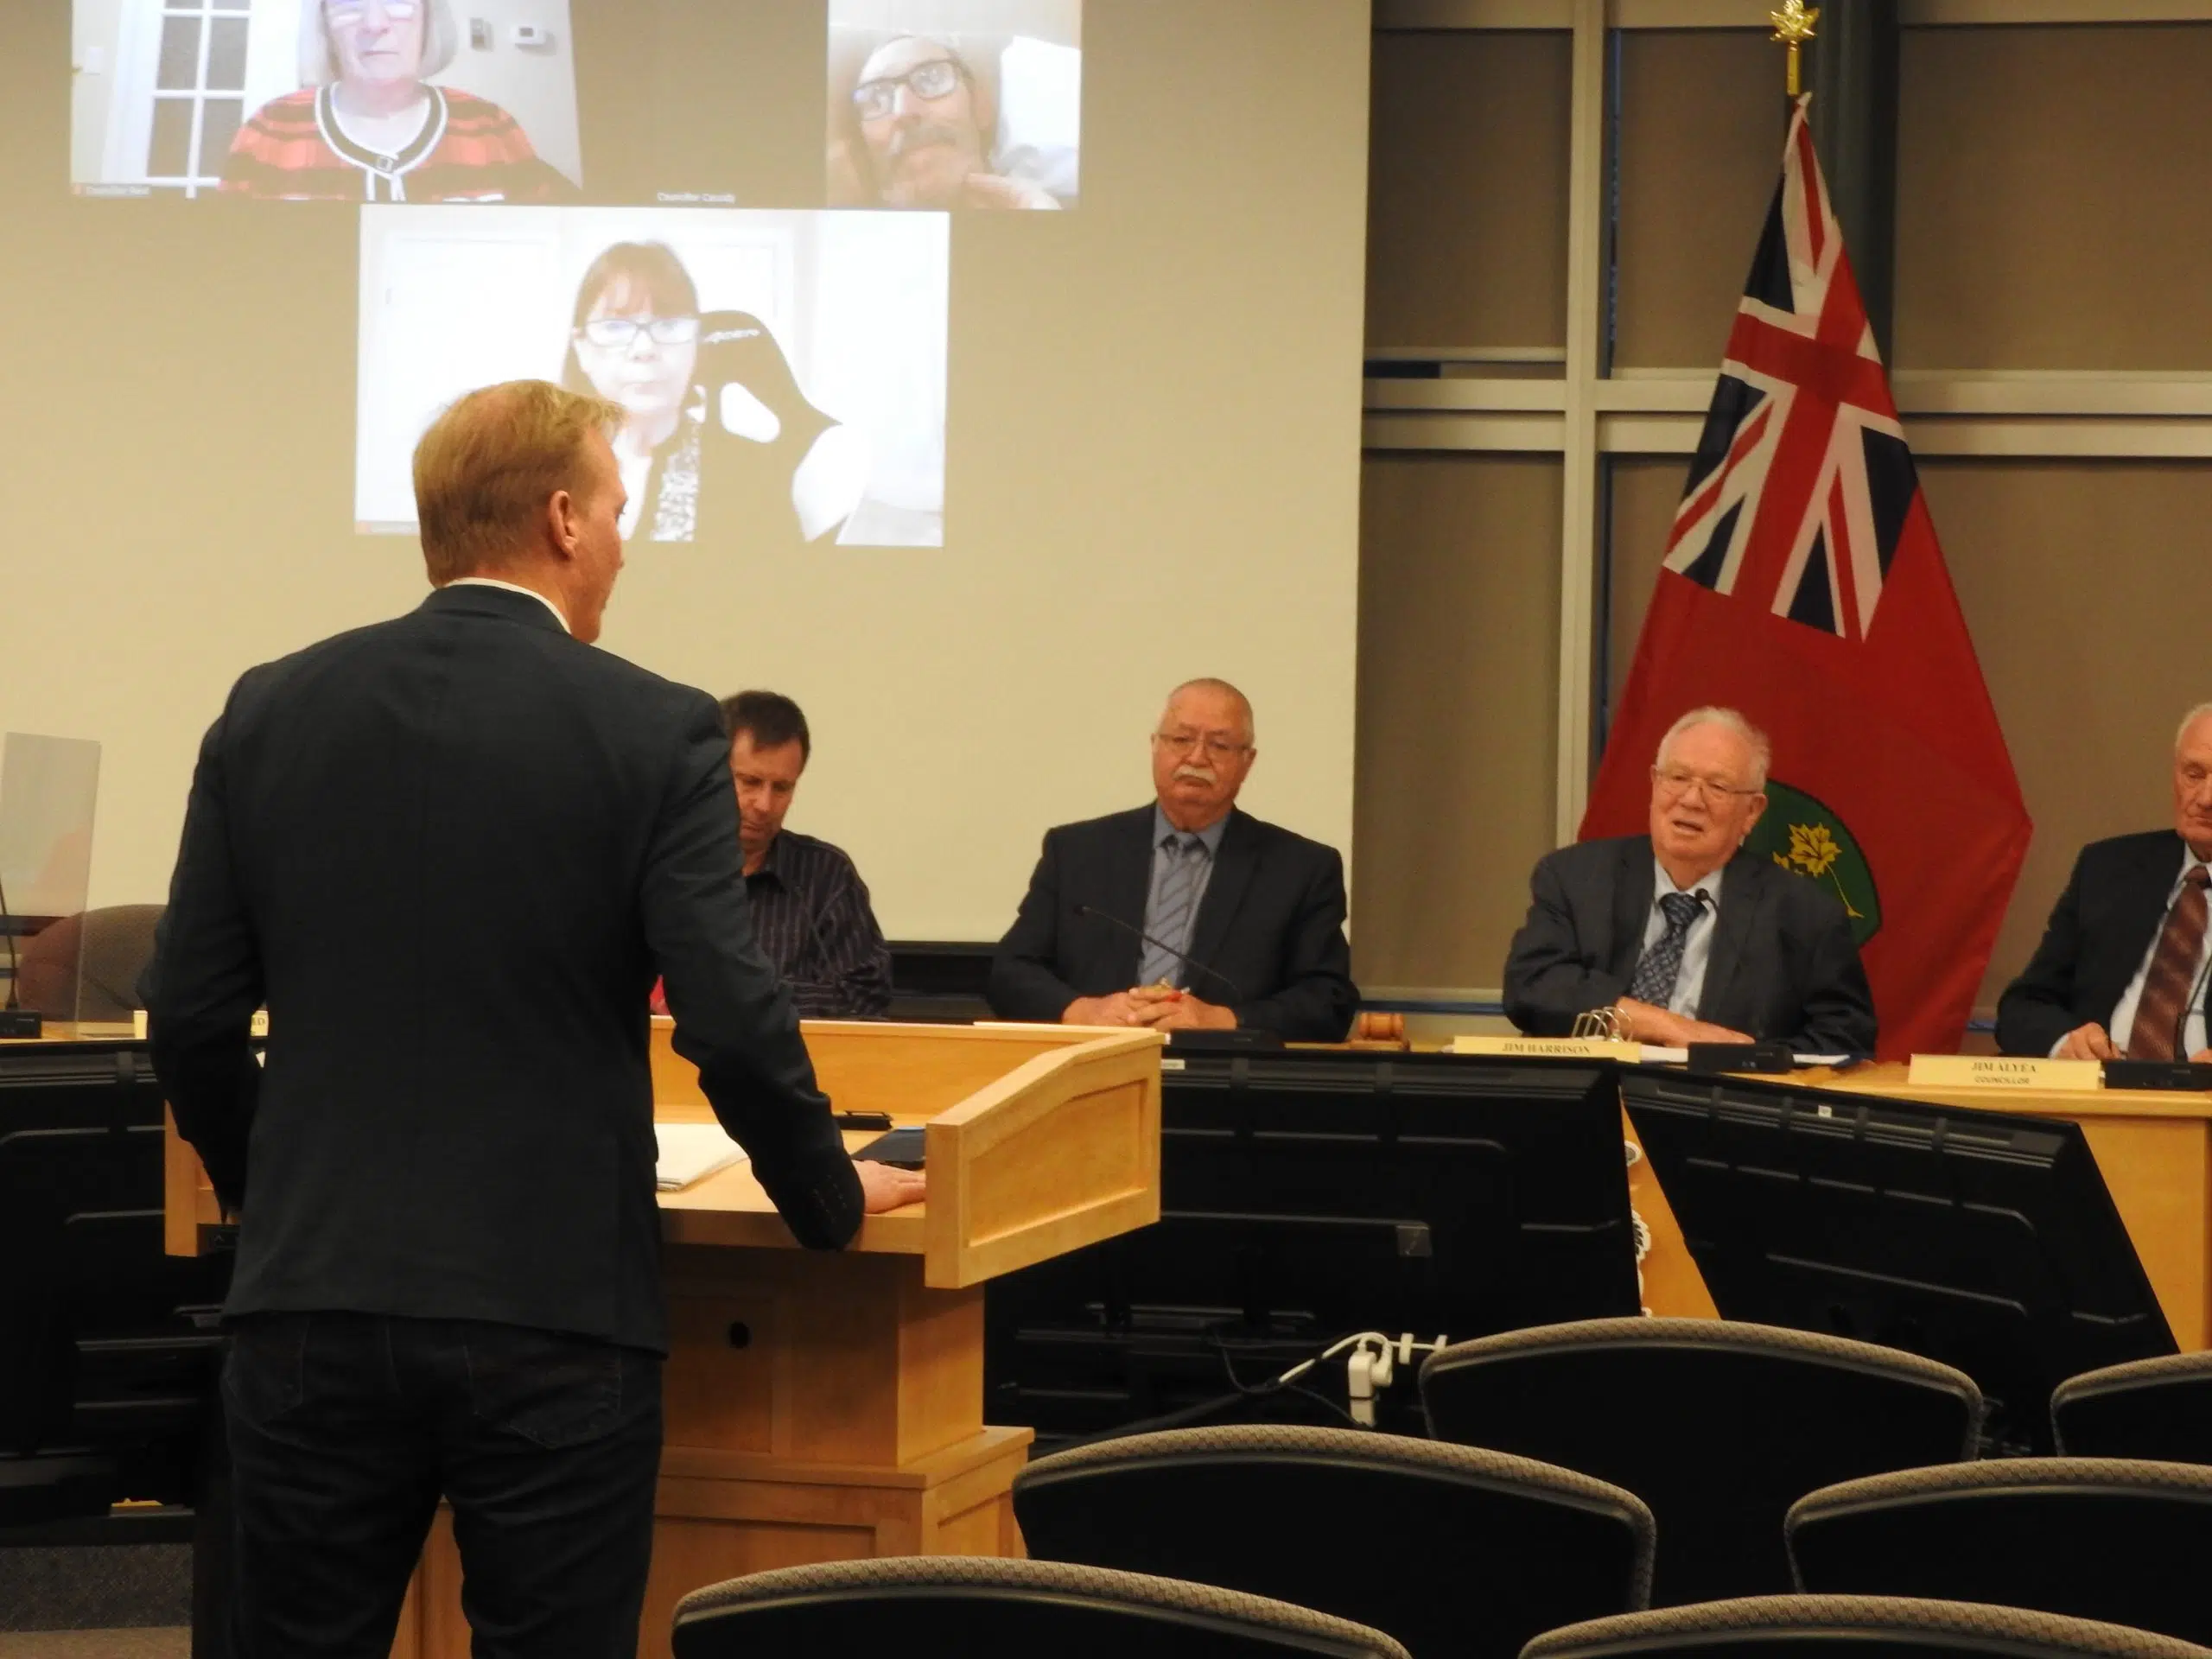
(2002, 1071)
(1550, 1048)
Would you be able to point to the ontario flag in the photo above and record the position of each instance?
(1803, 586)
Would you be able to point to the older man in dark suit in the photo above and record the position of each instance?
(1683, 937)
(450, 852)
(2121, 971)
(1245, 920)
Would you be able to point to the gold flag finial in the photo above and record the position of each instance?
(1793, 25)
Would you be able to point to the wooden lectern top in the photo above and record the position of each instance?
(1039, 1140)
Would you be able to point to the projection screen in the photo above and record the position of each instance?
(990, 366)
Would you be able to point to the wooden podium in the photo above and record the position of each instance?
(825, 1406)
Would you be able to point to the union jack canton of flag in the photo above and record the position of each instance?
(1801, 483)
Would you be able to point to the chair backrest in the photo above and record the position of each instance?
(1354, 1523)
(2103, 1538)
(962, 1606)
(2158, 1408)
(1852, 1627)
(1719, 1426)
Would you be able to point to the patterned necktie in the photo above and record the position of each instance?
(1662, 962)
(1170, 918)
(2173, 973)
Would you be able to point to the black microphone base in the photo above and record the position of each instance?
(1718, 1059)
(1219, 1042)
(2156, 1074)
(16, 1023)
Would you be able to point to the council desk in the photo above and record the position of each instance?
(821, 1406)
(2154, 1149)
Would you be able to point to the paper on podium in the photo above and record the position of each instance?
(691, 1152)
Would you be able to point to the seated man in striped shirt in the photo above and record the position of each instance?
(811, 909)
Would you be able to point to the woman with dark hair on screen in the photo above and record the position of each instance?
(719, 441)
(367, 125)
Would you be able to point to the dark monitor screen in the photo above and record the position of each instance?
(1308, 1195)
(107, 1345)
(1978, 1238)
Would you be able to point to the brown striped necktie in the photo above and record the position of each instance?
(2173, 973)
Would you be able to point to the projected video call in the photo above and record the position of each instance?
(932, 104)
(783, 374)
(328, 100)
(641, 198)
(954, 104)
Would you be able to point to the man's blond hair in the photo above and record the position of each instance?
(489, 464)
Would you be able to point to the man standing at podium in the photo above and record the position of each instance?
(2121, 971)
(449, 853)
(1186, 913)
(1678, 933)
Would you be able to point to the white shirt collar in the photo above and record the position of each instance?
(514, 588)
(1708, 884)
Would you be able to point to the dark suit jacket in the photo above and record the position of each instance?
(2113, 906)
(451, 851)
(1272, 924)
(1783, 963)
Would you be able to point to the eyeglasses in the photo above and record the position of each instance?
(1673, 785)
(933, 80)
(616, 332)
(1216, 748)
(350, 11)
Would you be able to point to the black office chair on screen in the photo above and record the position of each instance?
(1719, 1426)
(2102, 1538)
(959, 1606)
(1851, 1627)
(1451, 1549)
(2158, 1408)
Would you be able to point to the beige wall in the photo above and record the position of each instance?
(1458, 602)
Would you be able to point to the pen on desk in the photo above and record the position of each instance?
(860, 1119)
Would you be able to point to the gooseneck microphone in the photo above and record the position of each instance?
(2188, 1005)
(1183, 957)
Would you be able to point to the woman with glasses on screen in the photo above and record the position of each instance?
(367, 125)
(720, 441)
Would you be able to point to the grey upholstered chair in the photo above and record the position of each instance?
(1452, 1549)
(957, 1606)
(1852, 1627)
(2103, 1538)
(1719, 1426)
(2157, 1409)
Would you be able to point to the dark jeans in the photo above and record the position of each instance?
(345, 1428)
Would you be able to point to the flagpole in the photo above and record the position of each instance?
(1793, 26)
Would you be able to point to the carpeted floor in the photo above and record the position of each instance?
(158, 1644)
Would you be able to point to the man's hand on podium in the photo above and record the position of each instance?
(885, 1187)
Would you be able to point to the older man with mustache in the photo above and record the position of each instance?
(1186, 913)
